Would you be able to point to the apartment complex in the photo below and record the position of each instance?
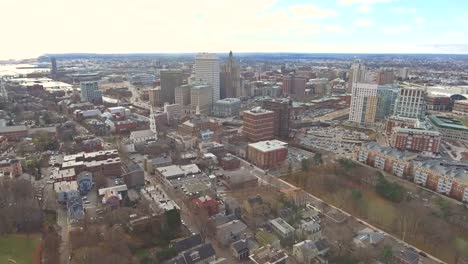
(450, 181)
(294, 85)
(417, 140)
(258, 124)
(267, 154)
(363, 103)
(450, 128)
(90, 92)
(170, 79)
(411, 102)
(206, 70)
(438, 103)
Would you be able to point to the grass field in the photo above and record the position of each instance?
(18, 248)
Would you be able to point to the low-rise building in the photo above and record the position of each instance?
(282, 228)
(267, 154)
(460, 107)
(268, 255)
(307, 250)
(230, 232)
(10, 167)
(240, 249)
(14, 133)
(417, 140)
(210, 205)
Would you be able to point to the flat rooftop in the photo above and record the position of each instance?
(269, 145)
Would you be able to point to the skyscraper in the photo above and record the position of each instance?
(386, 97)
(207, 70)
(294, 85)
(170, 79)
(411, 102)
(182, 95)
(230, 82)
(363, 103)
(53, 69)
(90, 92)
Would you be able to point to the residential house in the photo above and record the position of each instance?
(230, 232)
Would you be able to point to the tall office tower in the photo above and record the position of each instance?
(200, 98)
(207, 70)
(53, 69)
(90, 92)
(182, 95)
(363, 103)
(281, 109)
(386, 97)
(385, 76)
(357, 74)
(230, 83)
(258, 124)
(170, 79)
(294, 85)
(411, 102)
(155, 96)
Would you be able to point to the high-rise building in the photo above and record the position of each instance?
(182, 95)
(90, 92)
(385, 76)
(386, 97)
(357, 74)
(258, 124)
(230, 82)
(363, 103)
(155, 96)
(411, 102)
(170, 79)
(294, 85)
(53, 69)
(207, 71)
(281, 109)
(200, 98)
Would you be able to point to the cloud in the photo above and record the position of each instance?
(334, 29)
(363, 22)
(403, 10)
(364, 2)
(364, 9)
(310, 11)
(399, 29)
(419, 20)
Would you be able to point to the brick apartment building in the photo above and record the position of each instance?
(267, 154)
(398, 121)
(14, 133)
(258, 124)
(106, 163)
(416, 140)
(438, 103)
(450, 181)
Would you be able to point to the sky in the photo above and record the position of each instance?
(30, 28)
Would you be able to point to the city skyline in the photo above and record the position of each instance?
(341, 26)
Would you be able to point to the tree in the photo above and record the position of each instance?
(387, 255)
(305, 165)
(318, 158)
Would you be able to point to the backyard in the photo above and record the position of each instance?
(20, 249)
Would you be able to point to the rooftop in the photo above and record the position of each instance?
(282, 225)
(258, 111)
(447, 122)
(269, 145)
(178, 170)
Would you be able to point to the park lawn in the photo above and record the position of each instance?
(18, 248)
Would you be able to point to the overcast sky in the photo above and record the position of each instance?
(30, 28)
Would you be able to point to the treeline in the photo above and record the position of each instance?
(389, 190)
